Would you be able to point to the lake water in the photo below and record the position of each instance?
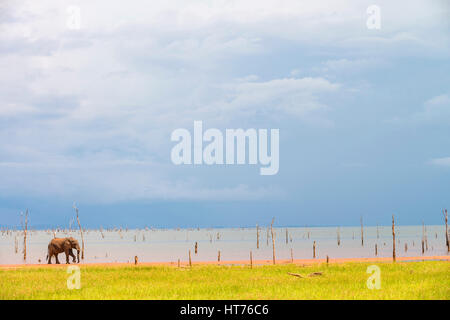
(157, 245)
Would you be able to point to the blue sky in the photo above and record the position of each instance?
(86, 113)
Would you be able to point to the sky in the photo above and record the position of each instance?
(90, 92)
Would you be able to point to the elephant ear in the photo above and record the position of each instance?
(73, 242)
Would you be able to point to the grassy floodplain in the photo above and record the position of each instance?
(402, 280)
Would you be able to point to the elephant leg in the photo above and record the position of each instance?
(50, 258)
(72, 255)
(67, 255)
(56, 256)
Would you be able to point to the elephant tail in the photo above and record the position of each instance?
(48, 253)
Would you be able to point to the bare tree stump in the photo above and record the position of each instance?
(362, 233)
(273, 241)
(446, 229)
(25, 233)
(393, 238)
(81, 232)
(338, 233)
(257, 237)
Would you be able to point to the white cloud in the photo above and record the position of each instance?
(85, 103)
(436, 107)
(445, 162)
(289, 96)
(12, 109)
(347, 65)
(435, 111)
(95, 181)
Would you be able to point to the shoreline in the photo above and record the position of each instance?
(302, 262)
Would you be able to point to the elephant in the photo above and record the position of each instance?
(59, 245)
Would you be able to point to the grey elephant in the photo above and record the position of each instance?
(59, 245)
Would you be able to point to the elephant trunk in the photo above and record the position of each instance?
(78, 253)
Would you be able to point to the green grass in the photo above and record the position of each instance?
(413, 280)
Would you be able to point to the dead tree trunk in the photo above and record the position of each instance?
(257, 237)
(338, 232)
(273, 241)
(81, 232)
(444, 212)
(362, 232)
(25, 231)
(393, 238)
(424, 237)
